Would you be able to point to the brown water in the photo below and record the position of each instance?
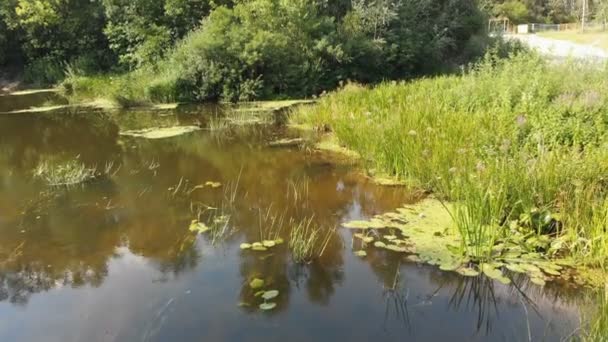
(114, 260)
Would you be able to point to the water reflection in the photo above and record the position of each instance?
(129, 233)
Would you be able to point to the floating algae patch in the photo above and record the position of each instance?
(426, 229)
(161, 132)
(331, 144)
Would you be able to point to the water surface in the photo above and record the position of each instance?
(114, 260)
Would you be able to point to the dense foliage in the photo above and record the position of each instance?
(515, 147)
(540, 11)
(280, 48)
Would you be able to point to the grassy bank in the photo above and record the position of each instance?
(519, 145)
(595, 37)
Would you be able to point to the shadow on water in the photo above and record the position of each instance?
(113, 259)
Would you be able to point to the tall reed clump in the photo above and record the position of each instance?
(308, 241)
(508, 141)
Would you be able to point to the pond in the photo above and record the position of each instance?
(113, 259)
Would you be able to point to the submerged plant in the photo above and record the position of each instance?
(69, 173)
(308, 241)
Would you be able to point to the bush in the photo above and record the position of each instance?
(45, 71)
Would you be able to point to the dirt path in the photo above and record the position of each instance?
(561, 48)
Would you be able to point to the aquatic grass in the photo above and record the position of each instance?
(308, 241)
(597, 328)
(504, 139)
(68, 173)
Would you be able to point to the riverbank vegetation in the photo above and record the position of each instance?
(519, 151)
(166, 51)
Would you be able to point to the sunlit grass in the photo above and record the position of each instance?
(308, 241)
(594, 37)
(503, 140)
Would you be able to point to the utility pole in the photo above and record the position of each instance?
(584, 15)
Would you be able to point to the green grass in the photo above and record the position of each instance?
(308, 241)
(67, 174)
(592, 37)
(515, 144)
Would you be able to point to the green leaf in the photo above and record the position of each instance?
(361, 254)
(270, 294)
(256, 283)
(268, 306)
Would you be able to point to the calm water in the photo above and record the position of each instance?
(113, 260)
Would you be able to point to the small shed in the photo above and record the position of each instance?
(523, 29)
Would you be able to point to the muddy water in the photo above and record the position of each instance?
(114, 260)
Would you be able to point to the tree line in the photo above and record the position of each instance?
(547, 11)
(239, 49)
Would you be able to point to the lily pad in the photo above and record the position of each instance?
(245, 246)
(259, 248)
(279, 241)
(361, 254)
(467, 272)
(390, 237)
(213, 184)
(396, 248)
(379, 244)
(268, 306)
(199, 227)
(270, 294)
(259, 293)
(257, 244)
(256, 283)
(269, 243)
(538, 281)
(515, 268)
(490, 271)
(161, 133)
(450, 266)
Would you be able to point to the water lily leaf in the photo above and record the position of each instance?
(530, 268)
(259, 248)
(467, 272)
(259, 293)
(269, 243)
(256, 283)
(361, 254)
(244, 304)
(390, 237)
(551, 271)
(245, 246)
(413, 258)
(368, 239)
(379, 244)
(257, 244)
(268, 306)
(490, 271)
(450, 266)
(213, 184)
(504, 280)
(279, 241)
(199, 227)
(396, 248)
(538, 281)
(372, 224)
(516, 268)
(359, 236)
(270, 294)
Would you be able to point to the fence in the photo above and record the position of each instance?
(534, 28)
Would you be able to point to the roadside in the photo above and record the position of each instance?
(561, 49)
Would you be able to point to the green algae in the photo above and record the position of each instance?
(427, 233)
